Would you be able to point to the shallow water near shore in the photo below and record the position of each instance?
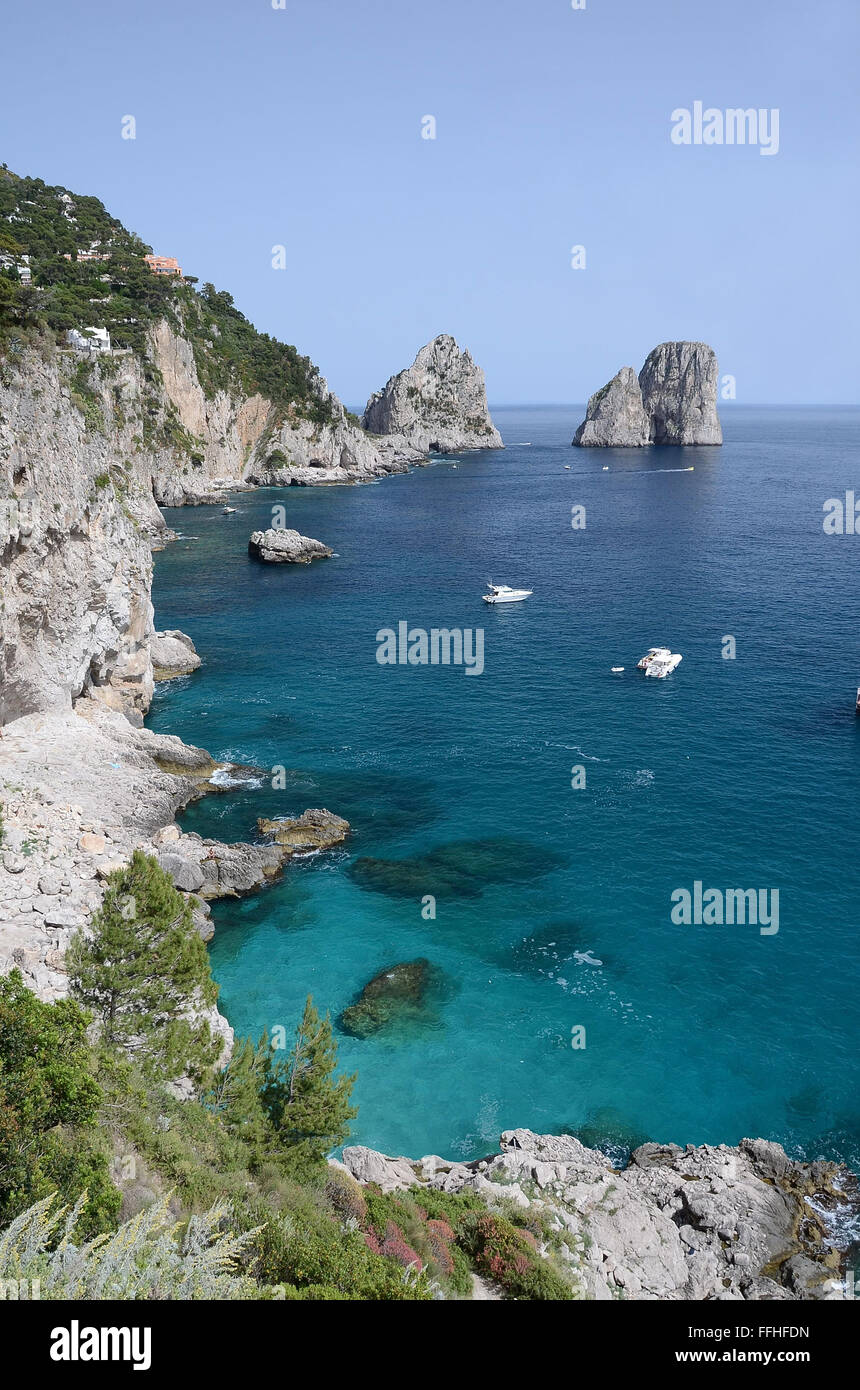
(736, 773)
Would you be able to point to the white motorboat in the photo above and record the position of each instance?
(616, 670)
(503, 593)
(659, 662)
(229, 510)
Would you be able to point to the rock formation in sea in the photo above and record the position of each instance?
(314, 829)
(394, 996)
(673, 401)
(173, 654)
(286, 547)
(695, 1223)
(438, 404)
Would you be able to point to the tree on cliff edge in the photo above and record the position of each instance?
(308, 1104)
(144, 971)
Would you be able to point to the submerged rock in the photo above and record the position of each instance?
(437, 404)
(394, 996)
(673, 401)
(173, 654)
(316, 828)
(464, 868)
(287, 547)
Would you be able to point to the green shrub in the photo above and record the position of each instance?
(49, 1106)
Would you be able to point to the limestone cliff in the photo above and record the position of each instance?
(76, 515)
(233, 440)
(673, 401)
(438, 404)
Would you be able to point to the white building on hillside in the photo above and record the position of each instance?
(88, 340)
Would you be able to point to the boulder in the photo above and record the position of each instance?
(286, 547)
(186, 874)
(173, 654)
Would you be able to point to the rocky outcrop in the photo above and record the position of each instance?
(438, 404)
(210, 869)
(173, 654)
(315, 829)
(673, 401)
(81, 789)
(286, 547)
(679, 393)
(616, 416)
(695, 1223)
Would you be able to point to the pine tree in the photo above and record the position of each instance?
(308, 1104)
(144, 971)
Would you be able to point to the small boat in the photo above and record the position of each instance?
(229, 510)
(659, 662)
(567, 467)
(503, 593)
(616, 670)
(606, 467)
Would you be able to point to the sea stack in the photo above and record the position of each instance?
(673, 401)
(438, 405)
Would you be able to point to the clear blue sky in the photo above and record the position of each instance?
(302, 127)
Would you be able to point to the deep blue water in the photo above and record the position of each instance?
(739, 773)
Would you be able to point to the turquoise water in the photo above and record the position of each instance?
(740, 773)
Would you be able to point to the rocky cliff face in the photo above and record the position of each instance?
(233, 440)
(438, 404)
(76, 516)
(679, 393)
(616, 416)
(673, 401)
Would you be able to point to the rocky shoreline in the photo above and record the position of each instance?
(83, 789)
(714, 1223)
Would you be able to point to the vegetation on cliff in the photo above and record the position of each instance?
(221, 1193)
(46, 229)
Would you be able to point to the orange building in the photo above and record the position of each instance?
(163, 265)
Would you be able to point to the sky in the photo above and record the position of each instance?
(301, 127)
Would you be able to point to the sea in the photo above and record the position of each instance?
(530, 830)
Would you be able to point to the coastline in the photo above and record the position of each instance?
(763, 1228)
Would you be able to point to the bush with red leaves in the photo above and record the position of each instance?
(394, 1247)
